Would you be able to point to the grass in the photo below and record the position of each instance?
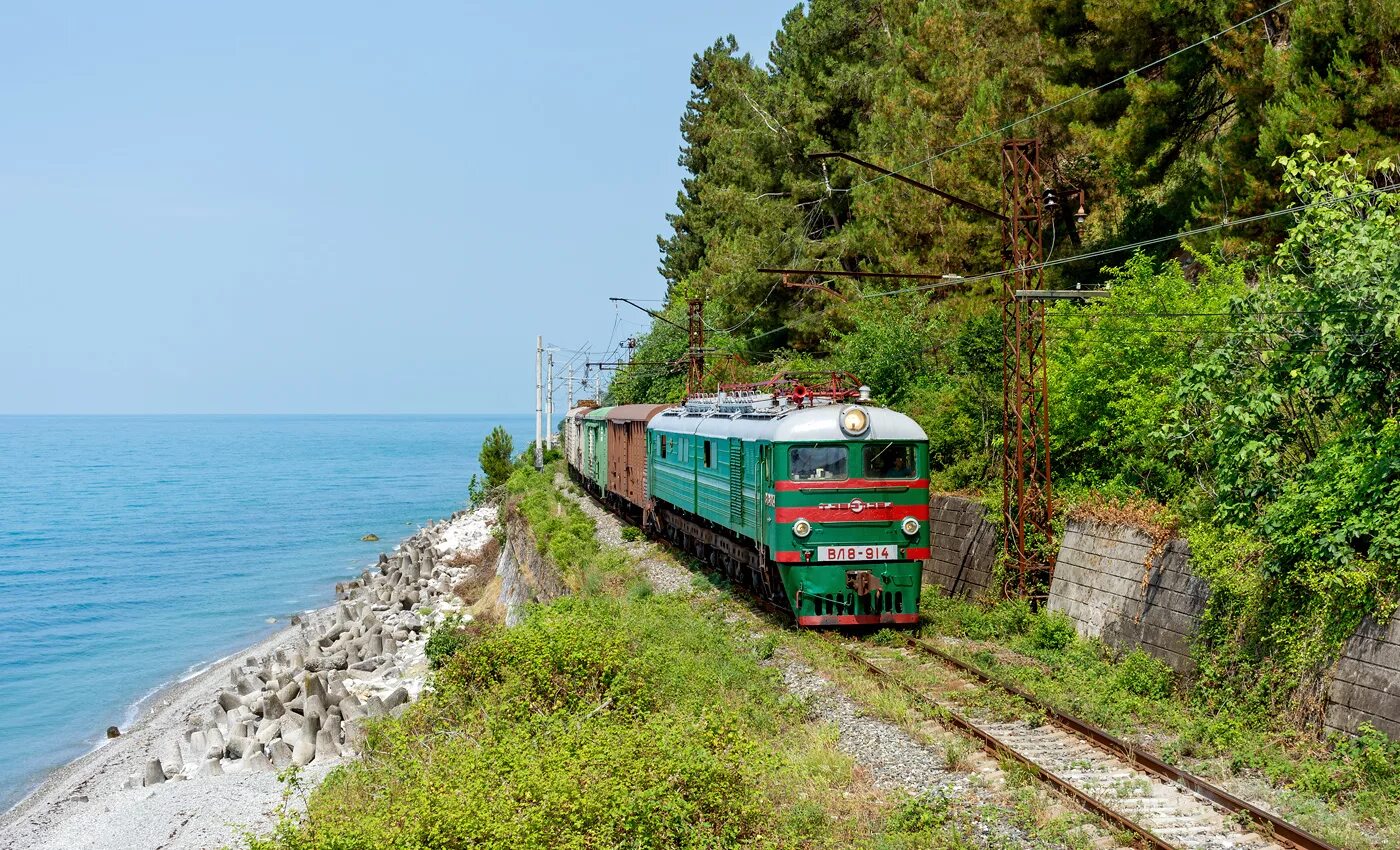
(615, 717)
(1345, 790)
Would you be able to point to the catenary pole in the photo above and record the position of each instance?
(549, 405)
(539, 402)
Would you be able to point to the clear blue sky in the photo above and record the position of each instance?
(331, 207)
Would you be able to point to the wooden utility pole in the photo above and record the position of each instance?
(539, 403)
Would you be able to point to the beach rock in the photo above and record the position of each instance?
(211, 767)
(214, 740)
(155, 774)
(374, 707)
(113, 732)
(315, 705)
(350, 708)
(281, 754)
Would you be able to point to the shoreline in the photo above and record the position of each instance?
(100, 800)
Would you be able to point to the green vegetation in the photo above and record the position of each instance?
(1347, 790)
(496, 462)
(495, 457)
(632, 721)
(1245, 379)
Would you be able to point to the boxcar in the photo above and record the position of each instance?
(595, 451)
(573, 437)
(627, 454)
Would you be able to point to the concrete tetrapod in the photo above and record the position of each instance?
(155, 774)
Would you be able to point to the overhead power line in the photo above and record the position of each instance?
(1034, 115)
(1157, 240)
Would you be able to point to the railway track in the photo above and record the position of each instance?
(1164, 806)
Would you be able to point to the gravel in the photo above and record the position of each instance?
(665, 577)
(895, 760)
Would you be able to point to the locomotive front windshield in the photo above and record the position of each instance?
(889, 460)
(817, 463)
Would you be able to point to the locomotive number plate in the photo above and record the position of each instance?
(887, 552)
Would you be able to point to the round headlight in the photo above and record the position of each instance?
(854, 421)
(802, 528)
(910, 526)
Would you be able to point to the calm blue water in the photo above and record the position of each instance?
(133, 549)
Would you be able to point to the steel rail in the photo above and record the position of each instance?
(1264, 822)
(1003, 750)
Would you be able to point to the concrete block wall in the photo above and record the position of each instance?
(1102, 584)
(963, 546)
(1365, 685)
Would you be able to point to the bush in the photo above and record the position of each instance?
(595, 723)
(1052, 631)
(1142, 675)
(447, 638)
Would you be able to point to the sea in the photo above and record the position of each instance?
(135, 551)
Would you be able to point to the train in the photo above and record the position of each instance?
(814, 499)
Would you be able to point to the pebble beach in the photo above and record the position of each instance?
(199, 769)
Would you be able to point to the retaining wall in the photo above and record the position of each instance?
(963, 546)
(1365, 685)
(1102, 582)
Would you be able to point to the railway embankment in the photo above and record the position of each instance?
(642, 705)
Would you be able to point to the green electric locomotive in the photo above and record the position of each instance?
(816, 500)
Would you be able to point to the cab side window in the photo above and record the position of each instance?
(817, 463)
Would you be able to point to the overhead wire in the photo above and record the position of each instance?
(1156, 240)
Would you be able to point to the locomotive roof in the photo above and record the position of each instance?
(809, 424)
(635, 412)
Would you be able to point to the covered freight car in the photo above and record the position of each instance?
(573, 435)
(594, 471)
(627, 454)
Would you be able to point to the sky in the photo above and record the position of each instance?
(321, 207)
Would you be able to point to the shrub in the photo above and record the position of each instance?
(447, 638)
(1142, 675)
(1052, 631)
